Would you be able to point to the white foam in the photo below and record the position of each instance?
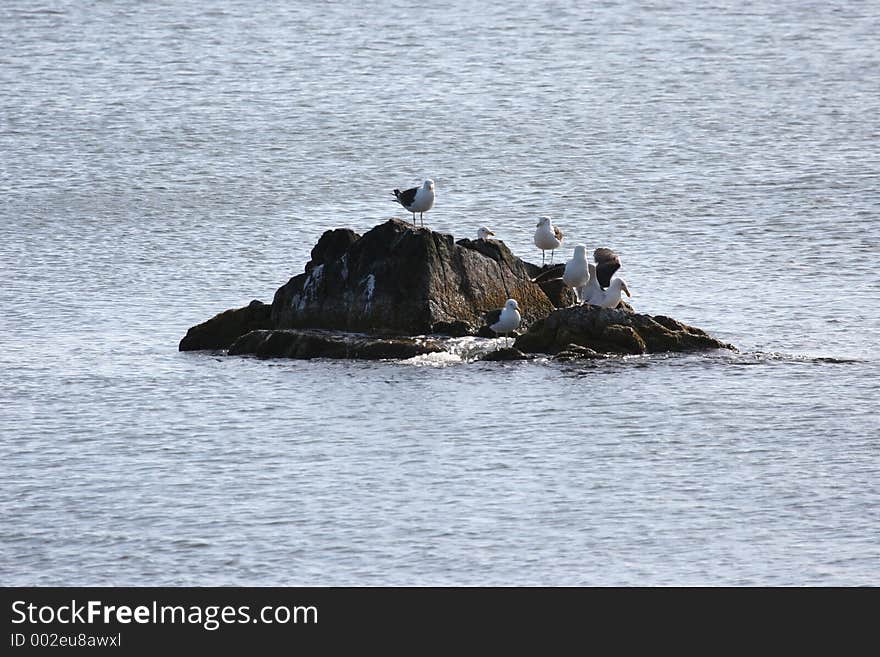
(439, 359)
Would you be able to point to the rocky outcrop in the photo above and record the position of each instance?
(310, 343)
(403, 280)
(223, 329)
(617, 331)
(360, 291)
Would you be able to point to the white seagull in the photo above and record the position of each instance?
(508, 320)
(589, 287)
(592, 292)
(576, 272)
(484, 233)
(417, 199)
(610, 298)
(547, 237)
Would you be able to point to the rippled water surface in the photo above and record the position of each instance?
(164, 161)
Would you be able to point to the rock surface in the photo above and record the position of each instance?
(506, 353)
(577, 352)
(399, 280)
(403, 280)
(225, 328)
(311, 343)
(616, 331)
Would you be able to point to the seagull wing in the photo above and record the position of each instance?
(607, 263)
(492, 317)
(406, 197)
(553, 273)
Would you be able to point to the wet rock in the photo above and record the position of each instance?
(403, 280)
(454, 329)
(560, 295)
(577, 352)
(311, 343)
(331, 246)
(398, 280)
(506, 353)
(225, 328)
(613, 331)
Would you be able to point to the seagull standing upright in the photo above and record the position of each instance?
(592, 293)
(576, 272)
(547, 237)
(417, 199)
(508, 320)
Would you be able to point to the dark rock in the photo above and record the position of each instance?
(331, 246)
(222, 330)
(560, 295)
(576, 352)
(615, 331)
(455, 329)
(310, 343)
(506, 353)
(403, 280)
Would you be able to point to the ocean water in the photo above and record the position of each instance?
(164, 161)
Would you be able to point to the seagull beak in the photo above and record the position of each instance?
(626, 289)
(491, 233)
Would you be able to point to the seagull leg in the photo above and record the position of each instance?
(422, 218)
(543, 255)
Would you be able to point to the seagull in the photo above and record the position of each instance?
(484, 233)
(610, 298)
(576, 272)
(592, 292)
(598, 276)
(508, 319)
(607, 263)
(417, 199)
(547, 237)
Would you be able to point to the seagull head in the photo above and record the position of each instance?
(543, 221)
(484, 233)
(618, 284)
(428, 184)
(511, 305)
(580, 252)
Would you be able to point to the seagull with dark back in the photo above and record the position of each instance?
(417, 199)
(607, 262)
(594, 289)
(505, 320)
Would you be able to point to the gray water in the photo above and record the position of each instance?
(161, 162)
